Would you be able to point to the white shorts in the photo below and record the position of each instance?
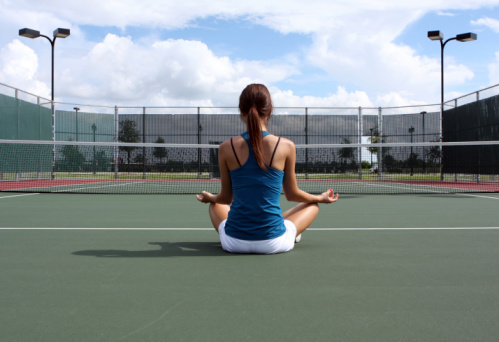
(281, 244)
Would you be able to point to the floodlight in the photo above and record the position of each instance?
(61, 33)
(466, 37)
(29, 33)
(435, 35)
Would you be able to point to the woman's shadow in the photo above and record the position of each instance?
(167, 249)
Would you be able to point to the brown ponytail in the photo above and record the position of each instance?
(255, 103)
(255, 135)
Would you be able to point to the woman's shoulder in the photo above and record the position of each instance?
(234, 141)
(286, 142)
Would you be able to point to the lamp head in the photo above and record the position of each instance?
(61, 33)
(466, 37)
(29, 33)
(435, 35)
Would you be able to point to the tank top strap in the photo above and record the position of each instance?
(275, 149)
(235, 154)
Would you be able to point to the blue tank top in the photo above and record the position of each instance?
(255, 213)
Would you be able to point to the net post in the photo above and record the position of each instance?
(115, 138)
(359, 141)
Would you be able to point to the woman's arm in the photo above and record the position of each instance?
(225, 195)
(290, 185)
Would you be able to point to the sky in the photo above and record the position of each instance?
(315, 53)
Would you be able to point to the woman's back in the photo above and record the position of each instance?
(255, 212)
(269, 143)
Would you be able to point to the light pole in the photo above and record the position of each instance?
(371, 129)
(411, 130)
(438, 35)
(424, 162)
(76, 110)
(94, 128)
(58, 33)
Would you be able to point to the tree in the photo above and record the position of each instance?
(160, 152)
(376, 138)
(434, 154)
(73, 159)
(128, 134)
(346, 153)
(389, 162)
(103, 161)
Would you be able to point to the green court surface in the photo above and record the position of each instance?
(149, 268)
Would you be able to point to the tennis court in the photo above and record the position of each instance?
(87, 267)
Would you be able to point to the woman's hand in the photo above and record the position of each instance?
(328, 197)
(205, 197)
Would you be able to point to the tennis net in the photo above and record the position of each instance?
(155, 168)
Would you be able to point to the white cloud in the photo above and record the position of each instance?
(166, 72)
(342, 98)
(445, 14)
(494, 70)
(352, 41)
(491, 23)
(18, 67)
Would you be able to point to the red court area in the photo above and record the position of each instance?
(30, 184)
(46, 183)
(462, 185)
(422, 185)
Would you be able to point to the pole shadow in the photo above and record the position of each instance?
(167, 249)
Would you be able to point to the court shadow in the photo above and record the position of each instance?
(167, 249)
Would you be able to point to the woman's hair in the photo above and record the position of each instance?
(255, 103)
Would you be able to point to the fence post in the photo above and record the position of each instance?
(380, 140)
(143, 141)
(52, 176)
(199, 142)
(306, 143)
(359, 141)
(115, 148)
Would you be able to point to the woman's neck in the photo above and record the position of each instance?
(263, 124)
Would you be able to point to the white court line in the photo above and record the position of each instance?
(88, 228)
(212, 229)
(98, 187)
(437, 190)
(480, 196)
(414, 228)
(82, 188)
(19, 195)
(404, 186)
